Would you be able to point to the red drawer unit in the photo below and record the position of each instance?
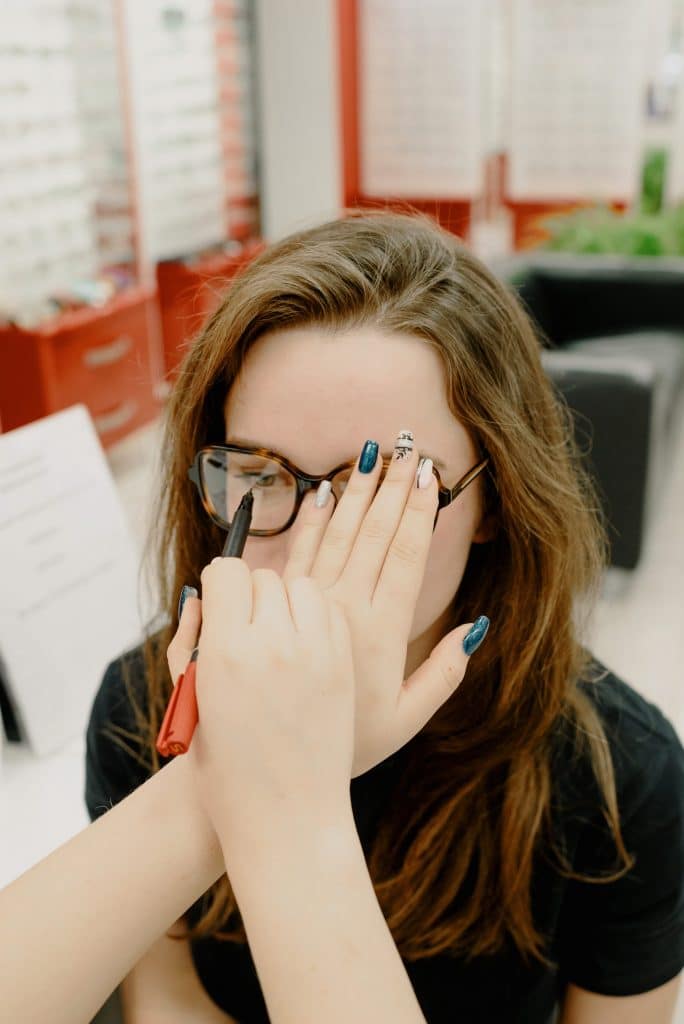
(98, 356)
(190, 291)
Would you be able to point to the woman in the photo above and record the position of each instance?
(110, 890)
(526, 844)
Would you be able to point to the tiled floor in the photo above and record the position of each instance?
(638, 628)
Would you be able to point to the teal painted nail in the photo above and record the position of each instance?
(476, 634)
(185, 593)
(369, 455)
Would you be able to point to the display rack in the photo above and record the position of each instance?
(171, 56)
(577, 92)
(102, 115)
(384, 89)
(131, 146)
(47, 227)
(192, 78)
(77, 322)
(237, 91)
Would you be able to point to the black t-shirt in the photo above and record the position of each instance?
(618, 938)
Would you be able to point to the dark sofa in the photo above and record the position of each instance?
(612, 331)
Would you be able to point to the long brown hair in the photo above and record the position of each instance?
(477, 790)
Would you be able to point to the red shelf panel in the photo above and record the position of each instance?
(98, 356)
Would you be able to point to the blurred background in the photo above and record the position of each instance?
(149, 149)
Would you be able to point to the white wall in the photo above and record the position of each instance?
(299, 114)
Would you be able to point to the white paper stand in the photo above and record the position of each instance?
(68, 602)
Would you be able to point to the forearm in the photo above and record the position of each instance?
(320, 943)
(76, 923)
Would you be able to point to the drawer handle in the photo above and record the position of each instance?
(117, 418)
(103, 355)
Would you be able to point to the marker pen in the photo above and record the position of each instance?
(181, 714)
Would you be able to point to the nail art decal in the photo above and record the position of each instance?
(403, 446)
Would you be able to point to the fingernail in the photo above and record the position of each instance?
(369, 455)
(323, 493)
(403, 446)
(424, 473)
(476, 634)
(185, 593)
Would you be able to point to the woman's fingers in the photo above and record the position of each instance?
(338, 547)
(227, 601)
(271, 607)
(185, 639)
(342, 530)
(401, 575)
(391, 548)
(311, 524)
(309, 610)
(378, 542)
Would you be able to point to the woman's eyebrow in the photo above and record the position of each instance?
(245, 442)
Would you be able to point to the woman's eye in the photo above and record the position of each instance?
(257, 476)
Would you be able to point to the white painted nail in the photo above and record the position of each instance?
(323, 493)
(424, 473)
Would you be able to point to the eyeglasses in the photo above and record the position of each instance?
(224, 473)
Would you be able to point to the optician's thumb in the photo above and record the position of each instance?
(433, 682)
(185, 639)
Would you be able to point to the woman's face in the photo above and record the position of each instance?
(315, 397)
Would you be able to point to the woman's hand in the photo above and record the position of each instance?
(370, 556)
(275, 696)
(184, 639)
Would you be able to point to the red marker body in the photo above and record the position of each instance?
(182, 715)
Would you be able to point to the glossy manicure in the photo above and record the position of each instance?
(323, 493)
(368, 458)
(476, 634)
(424, 473)
(184, 594)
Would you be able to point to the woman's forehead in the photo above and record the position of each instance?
(299, 392)
(313, 357)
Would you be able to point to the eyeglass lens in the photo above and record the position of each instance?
(227, 476)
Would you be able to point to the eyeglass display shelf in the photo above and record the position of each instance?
(361, 144)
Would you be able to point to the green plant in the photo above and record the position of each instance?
(653, 179)
(602, 230)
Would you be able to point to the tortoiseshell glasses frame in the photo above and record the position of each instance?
(306, 482)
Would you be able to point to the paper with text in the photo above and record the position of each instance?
(68, 602)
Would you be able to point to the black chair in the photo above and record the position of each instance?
(612, 331)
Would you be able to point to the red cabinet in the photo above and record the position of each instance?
(98, 356)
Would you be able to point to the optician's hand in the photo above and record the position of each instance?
(275, 697)
(370, 556)
(369, 553)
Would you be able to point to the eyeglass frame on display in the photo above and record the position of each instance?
(305, 482)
